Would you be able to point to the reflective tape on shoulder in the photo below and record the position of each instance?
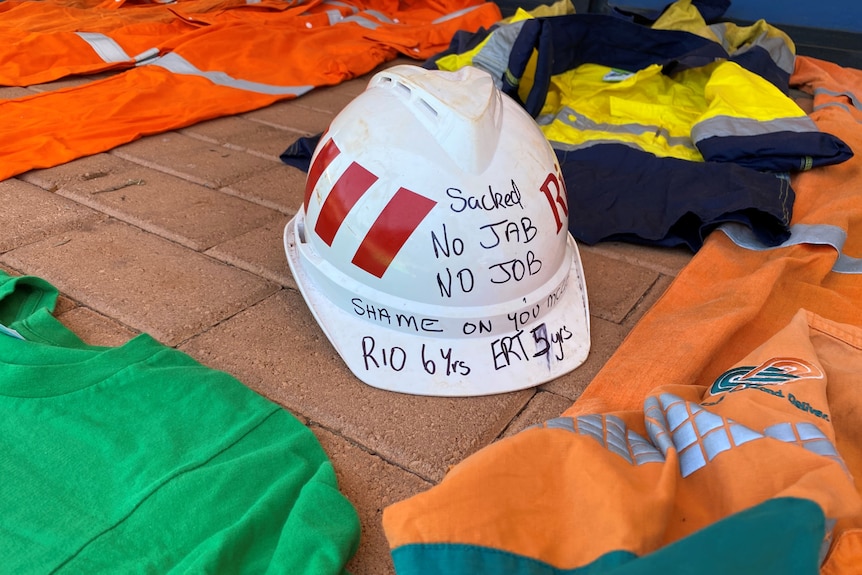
(179, 65)
(107, 49)
(456, 14)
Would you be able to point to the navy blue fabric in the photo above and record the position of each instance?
(616, 192)
(566, 42)
(621, 193)
(711, 10)
(776, 152)
(299, 153)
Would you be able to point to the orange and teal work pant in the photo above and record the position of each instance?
(723, 436)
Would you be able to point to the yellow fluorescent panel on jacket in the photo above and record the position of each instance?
(658, 113)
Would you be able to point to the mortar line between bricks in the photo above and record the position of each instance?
(163, 169)
(278, 287)
(136, 222)
(228, 191)
(79, 304)
(99, 217)
(300, 133)
(538, 389)
(108, 213)
(610, 253)
(233, 315)
(109, 217)
(374, 453)
(227, 145)
(213, 186)
(514, 417)
(170, 171)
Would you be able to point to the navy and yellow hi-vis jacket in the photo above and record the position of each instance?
(662, 134)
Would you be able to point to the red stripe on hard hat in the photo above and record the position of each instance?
(327, 153)
(354, 182)
(398, 220)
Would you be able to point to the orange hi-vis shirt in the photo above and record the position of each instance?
(44, 41)
(235, 58)
(723, 436)
(602, 492)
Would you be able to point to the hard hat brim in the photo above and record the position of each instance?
(532, 353)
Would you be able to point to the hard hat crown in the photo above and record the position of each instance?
(435, 211)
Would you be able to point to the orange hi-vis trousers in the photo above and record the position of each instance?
(235, 58)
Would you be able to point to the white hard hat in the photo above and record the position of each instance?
(432, 246)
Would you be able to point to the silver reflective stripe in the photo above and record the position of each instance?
(656, 425)
(380, 16)
(616, 436)
(612, 433)
(699, 436)
(362, 21)
(455, 14)
(849, 95)
(582, 123)
(179, 65)
(642, 450)
(567, 147)
(778, 50)
(334, 16)
(353, 9)
(566, 423)
(494, 55)
(808, 436)
(844, 107)
(820, 235)
(723, 126)
(146, 55)
(107, 49)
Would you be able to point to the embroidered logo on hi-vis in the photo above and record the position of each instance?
(398, 219)
(776, 371)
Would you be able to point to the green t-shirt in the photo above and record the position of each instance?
(138, 459)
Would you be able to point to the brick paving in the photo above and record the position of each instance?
(179, 235)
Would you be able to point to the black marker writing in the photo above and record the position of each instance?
(516, 268)
(489, 201)
(509, 231)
